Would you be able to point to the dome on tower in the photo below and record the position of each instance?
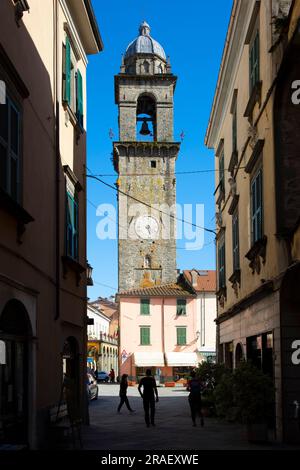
(145, 44)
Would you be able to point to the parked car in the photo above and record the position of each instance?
(103, 377)
(92, 387)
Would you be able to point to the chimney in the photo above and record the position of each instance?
(194, 275)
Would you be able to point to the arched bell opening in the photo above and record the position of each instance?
(146, 126)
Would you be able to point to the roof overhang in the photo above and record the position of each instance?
(239, 25)
(84, 17)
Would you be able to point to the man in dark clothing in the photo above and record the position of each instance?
(195, 387)
(149, 393)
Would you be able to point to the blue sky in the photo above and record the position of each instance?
(193, 35)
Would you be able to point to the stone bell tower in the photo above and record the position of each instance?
(145, 159)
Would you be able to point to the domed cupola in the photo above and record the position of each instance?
(144, 55)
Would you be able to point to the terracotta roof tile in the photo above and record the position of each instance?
(206, 280)
(179, 289)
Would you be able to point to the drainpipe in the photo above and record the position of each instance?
(57, 169)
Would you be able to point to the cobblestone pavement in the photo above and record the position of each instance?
(111, 431)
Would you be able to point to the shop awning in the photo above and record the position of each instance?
(181, 359)
(149, 359)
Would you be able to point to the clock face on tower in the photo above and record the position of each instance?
(147, 227)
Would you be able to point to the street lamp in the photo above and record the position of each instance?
(89, 274)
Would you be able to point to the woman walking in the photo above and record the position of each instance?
(123, 394)
(194, 387)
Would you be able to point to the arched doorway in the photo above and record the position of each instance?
(15, 335)
(71, 382)
(239, 354)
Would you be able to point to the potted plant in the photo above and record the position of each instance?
(247, 396)
(210, 375)
(254, 396)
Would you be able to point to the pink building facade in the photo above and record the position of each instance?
(158, 330)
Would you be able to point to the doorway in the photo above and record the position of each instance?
(15, 334)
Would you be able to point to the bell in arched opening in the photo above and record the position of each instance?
(145, 129)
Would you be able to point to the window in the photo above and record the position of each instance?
(181, 336)
(235, 241)
(181, 306)
(221, 263)
(72, 82)
(234, 128)
(254, 58)
(10, 122)
(145, 335)
(256, 208)
(72, 229)
(145, 307)
(153, 164)
(222, 173)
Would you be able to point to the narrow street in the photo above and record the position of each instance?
(111, 431)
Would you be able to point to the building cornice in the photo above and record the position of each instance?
(241, 17)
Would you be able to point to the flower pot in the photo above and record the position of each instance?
(170, 384)
(257, 432)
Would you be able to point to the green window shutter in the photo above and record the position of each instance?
(72, 228)
(181, 336)
(254, 59)
(257, 207)
(145, 336)
(181, 306)
(67, 96)
(79, 99)
(145, 306)
(222, 173)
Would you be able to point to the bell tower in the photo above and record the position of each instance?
(144, 158)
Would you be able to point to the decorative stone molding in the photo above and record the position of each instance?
(257, 254)
(257, 150)
(222, 296)
(255, 97)
(235, 280)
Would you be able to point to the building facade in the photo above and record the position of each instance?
(43, 60)
(158, 331)
(204, 285)
(102, 348)
(144, 159)
(253, 131)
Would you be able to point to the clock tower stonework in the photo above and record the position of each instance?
(144, 158)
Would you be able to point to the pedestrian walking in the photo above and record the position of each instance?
(123, 394)
(149, 396)
(194, 387)
(112, 376)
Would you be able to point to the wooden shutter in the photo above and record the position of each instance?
(79, 105)
(235, 242)
(257, 207)
(67, 96)
(181, 306)
(145, 306)
(145, 336)
(181, 336)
